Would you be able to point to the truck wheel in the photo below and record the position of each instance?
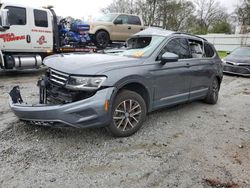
(128, 114)
(102, 39)
(213, 92)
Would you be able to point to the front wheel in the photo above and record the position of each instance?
(128, 114)
(213, 92)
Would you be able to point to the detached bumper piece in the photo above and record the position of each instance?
(89, 112)
(237, 69)
(16, 95)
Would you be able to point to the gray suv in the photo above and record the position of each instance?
(118, 88)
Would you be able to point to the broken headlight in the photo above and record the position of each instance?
(85, 82)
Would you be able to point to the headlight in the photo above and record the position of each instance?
(85, 83)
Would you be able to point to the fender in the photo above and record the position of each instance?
(134, 79)
(95, 29)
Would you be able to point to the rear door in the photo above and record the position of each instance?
(16, 38)
(172, 80)
(202, 70)
(135, 24)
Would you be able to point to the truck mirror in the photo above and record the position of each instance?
(4, 19)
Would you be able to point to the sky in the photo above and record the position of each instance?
(85, 8)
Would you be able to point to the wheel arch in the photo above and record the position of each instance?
(137, 87)
(102, 29)
(219, 79)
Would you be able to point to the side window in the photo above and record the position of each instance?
(178, 46)
(209, 51)
(41, 18)
(17, 15)
(124, 19)
(196, 48)
(134, 20)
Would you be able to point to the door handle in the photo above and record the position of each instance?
(141, 29)
(28, 39)
(187, 65)
(129, 27)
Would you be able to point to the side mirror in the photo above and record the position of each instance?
(169, 57)
(118, 21)
(228, 53)
(4, 19)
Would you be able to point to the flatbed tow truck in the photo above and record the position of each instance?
(28, 35)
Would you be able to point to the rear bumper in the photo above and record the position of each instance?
(236, 70)
(86, 113)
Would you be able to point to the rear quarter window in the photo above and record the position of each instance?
(134, 20)
(209, 50)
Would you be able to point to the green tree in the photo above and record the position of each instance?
(243, 14)
(221, 27)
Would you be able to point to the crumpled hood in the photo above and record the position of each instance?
(89, 64)
(238, 59)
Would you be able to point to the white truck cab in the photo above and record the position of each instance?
(26, 36)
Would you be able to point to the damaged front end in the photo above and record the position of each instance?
(63, 101)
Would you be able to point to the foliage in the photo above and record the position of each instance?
(222, 54)
(243, 14)
(209, 12)
(221, 27)
(169, 14)
(179, 15)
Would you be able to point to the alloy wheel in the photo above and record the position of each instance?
(127, 115)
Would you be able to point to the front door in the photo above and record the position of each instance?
(17, 37)
(172, 80)
(121, 32)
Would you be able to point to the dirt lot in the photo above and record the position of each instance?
(190, 145)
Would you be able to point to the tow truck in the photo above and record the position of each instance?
(28, 35)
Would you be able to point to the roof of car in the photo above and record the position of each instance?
(155, 31)
(164, 33)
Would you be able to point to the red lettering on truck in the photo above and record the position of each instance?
(9, 37)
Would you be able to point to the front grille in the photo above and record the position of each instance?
(236, 69)
(61, 95)
(58, 78)
(245, 66)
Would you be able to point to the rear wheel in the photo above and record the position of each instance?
(213, 92)
(102, 39)
(128, 114)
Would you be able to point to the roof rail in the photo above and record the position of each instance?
(190, 35)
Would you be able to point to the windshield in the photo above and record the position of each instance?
(243, 52)
(107, 18)
(142, 46)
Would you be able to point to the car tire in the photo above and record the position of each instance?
(102, 39)
(128, 114)
(213, 92)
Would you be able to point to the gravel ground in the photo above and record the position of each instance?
(190, 145)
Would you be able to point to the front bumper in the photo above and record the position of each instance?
(236, 70)
(85, 113)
